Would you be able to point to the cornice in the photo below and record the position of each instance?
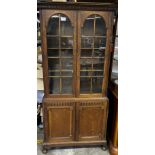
(77, 6)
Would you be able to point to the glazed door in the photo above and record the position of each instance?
(94, 31)
(91, 120)
(59, 52)
(60, 121)
(76, 52)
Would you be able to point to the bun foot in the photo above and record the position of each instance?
(44, 151)
(104, 148)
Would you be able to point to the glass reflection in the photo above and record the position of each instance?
(60, 54)
(93, 44)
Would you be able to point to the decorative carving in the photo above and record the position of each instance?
(58, 103)
(77, 6)
(92, 104)
(45, 124)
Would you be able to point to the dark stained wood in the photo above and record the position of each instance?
(77, 6)
(107, 54)
(113, 150)
(44, 53)
(113, 43)
(75, 119)
(101, 1)
(74, 144)
(113, 98)
(113, 119)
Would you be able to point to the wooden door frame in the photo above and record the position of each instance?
(107, 16)
(45, 16)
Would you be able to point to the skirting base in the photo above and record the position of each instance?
(47, 146)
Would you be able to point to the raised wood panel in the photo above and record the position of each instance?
(60, 122)
(91, 120)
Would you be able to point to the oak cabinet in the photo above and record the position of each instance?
(61, 118)
(70, 120)
(76, 43)
(91, 120)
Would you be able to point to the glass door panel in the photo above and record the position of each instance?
(87, 29)
(67, 85)
(53, 25)
(92, 54)
(100, 42)
(54, 85)
(54, 73)
(60, 55)
(66, 42)
(66, 53)
(97, 84)
(99, 53)
(53, 42)
(53, 63)
(53, 53)
(87, 42)
(100, 29)
(85, 85)
(86, 53)
(66, 64)
(66, 29)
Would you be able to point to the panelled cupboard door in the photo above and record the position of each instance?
(94, 30)
(60, 118)
(59, 52)
(91, 120)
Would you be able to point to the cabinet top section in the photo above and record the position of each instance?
(76, 6)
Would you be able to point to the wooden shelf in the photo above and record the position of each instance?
(59, 76)
(91, 57)
(94, 36)
(52, 36)
(60, 57)
(90, 76)
(57, 48)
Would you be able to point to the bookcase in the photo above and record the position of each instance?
(76, 45)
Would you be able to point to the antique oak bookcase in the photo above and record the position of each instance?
(76, 43)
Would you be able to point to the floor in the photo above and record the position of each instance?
(69, 151)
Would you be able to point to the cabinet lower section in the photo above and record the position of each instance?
(74, 121)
